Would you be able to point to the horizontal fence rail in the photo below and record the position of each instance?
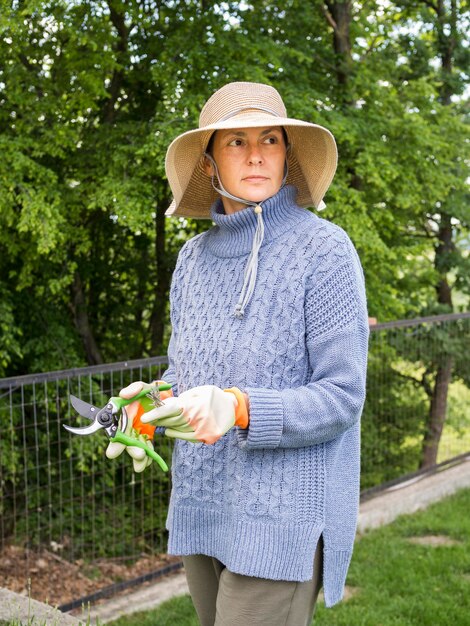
(61, 494)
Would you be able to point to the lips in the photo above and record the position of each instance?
(255, 179)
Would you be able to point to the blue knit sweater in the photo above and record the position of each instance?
(259, 499)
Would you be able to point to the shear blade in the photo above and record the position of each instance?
(83, 408)
(87, 430)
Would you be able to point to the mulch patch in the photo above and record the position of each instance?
(48, 577)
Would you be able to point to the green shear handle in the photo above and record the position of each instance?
(120, 437)
(143, 395)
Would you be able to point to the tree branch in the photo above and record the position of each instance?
(326, 8)
(423, 382)
(431, 5)
(31, 68)
(408, 377)
(370, 48)
(118, 21)
(426, 384)
(426, 235)
(325, 63)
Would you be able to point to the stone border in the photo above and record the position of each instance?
(23, 610)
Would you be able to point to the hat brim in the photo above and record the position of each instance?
(312, 161)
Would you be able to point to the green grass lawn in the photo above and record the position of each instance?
(414, 572)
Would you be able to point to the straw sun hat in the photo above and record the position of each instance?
(312, 157)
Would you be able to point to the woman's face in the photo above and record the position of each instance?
(250, 163)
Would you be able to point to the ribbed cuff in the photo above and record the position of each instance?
(266, 419)
(169, 378)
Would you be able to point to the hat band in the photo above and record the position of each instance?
(238, 111)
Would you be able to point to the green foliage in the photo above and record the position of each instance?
(92, 93)
(459, 408)
(10, 333)
(402, 368)
(393, 417)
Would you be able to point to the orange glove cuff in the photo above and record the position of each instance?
(148, 429)
(242, 419)
(143, 429)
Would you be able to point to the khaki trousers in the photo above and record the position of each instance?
(222, 598)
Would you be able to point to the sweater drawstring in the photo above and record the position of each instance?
(251, 268)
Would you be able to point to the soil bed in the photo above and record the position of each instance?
(47, 577)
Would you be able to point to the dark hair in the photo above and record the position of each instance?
(210, 144)
(284, 134)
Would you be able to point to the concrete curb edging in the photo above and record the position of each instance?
(24, 610)
(413, 495)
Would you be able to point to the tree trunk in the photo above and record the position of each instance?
(341, 12)
(82, 323)
(446, 34)
(446, 27)
(438, 407)
(338, 15)
(437, 413)
(118, 20)
(443, 260)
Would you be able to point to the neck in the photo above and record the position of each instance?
(232, 206)
(233, 233)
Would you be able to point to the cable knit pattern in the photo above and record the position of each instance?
(259, 498)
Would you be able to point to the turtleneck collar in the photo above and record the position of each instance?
(233, 234)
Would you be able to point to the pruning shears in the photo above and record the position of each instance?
(108, 417)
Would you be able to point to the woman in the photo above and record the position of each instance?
(267, 360)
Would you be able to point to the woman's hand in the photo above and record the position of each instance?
(201, 414)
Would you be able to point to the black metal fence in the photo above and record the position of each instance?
(418, 395)
(60, 491)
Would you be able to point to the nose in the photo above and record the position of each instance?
(254, 156)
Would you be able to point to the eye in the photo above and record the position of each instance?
(271, 139)
(236, 142)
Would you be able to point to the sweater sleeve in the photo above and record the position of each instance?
(336, 340)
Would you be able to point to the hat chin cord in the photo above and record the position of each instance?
(251, 267)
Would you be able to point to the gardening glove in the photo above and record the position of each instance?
(135, 428)
(201, 414)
